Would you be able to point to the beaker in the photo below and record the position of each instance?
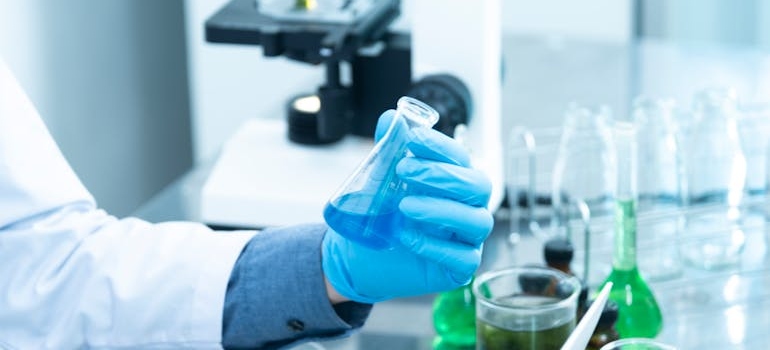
(526, 307)
(715, 178)
(365, 208)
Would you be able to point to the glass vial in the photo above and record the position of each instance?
(715, 177)
(659, 187)
(583, 180)
(638, 311)
(365, 208)
(558, 253)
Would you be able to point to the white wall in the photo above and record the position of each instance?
(109, 79)
(595, 20)
(21, 44)
(231, 83)
(730, 22)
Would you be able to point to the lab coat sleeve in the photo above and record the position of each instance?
(277, 295)
(72, 276)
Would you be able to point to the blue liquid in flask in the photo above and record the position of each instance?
(365, 209)
(374, 230)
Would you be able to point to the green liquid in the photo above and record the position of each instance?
(638, 311)
(494, 338)
(454, 318)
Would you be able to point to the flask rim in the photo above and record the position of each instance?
(480, 290)
(417, 111)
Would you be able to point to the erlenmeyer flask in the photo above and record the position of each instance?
(583, 185)
(715, 179)
(638, 311)
(365, 208)
(658, 187)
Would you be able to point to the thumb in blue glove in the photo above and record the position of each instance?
(445, 222)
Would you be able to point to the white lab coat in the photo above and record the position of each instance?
(71, 276)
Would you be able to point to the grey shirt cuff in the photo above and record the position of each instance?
(276, 295)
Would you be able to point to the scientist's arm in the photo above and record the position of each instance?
(72, 276)
(441, 249)
(278, 295)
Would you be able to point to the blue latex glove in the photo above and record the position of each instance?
(448, 222)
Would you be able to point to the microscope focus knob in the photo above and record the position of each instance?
(449, 96)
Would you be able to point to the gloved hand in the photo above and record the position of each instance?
(447, 223)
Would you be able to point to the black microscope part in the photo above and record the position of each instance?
(242, 22)
(449, 96)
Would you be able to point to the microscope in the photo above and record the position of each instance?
(272, 174)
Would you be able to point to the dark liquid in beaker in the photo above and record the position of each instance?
(494, 338)
(498, 337)
(355, 223)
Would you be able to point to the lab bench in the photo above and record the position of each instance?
(720, 309)
(723, 309)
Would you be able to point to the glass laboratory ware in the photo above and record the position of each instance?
(638, 311)
(754, 131)
(365, 208)
(524, 308)
(715, 177)
(605, 331)
(658, 183)
(454, 319)
(583, 180)
(637, 344)
(558, 253)
(531, 157)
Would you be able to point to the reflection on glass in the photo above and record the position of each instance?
(735, 323)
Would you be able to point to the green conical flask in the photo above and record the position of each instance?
(454, 319)
(638, 311)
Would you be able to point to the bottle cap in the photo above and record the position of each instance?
(534, 283)
(558, 251)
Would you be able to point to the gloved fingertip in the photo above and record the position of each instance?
(461, 278)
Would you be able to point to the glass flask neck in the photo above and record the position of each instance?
(625, 148)
(715, 105)
(416, 113)
(624, 256)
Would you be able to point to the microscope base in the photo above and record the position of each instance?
(262, 179)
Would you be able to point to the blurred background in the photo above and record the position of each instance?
(135, 97)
